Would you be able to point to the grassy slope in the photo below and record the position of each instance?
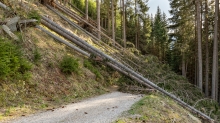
(156, 108)
(48, 87)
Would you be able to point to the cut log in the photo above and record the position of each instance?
(27, 21)
(12, 23)
(8, 31)
(4, 6)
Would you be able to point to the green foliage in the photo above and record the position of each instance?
(11, 60)
(69, 65)
(80, 4)
(37, 56)
(90, 66)
(34, 15)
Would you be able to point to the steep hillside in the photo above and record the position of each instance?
(48, 85)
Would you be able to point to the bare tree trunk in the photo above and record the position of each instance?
(98, 18)
(113, 22)
(136, 24)
(198, 11)
(207, 51)
(121, 18)
(138, 34)
(124, 19)
(215, 55)
(183, 65)
(86, 3)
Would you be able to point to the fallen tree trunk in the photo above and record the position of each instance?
(4, 6)
(81, 45)
(7, 30)
(120, 67)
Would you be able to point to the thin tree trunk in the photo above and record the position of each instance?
(138, 33)
(207, 51)
(215, 55)
(98, 18)
(86, 3)
(109, 22)
(124, 19)
(115, 18)
(136, 23)
(183, 65)
(113, 22)
(198, 11)
(121, 18)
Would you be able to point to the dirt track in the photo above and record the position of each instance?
(102, 109)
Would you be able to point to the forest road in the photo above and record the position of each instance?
(101, 109)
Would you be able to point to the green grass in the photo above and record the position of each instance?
(156, 108)
(69, 65)
(88, 64)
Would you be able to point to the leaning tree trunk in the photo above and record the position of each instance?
(198, 11)
(215, 55)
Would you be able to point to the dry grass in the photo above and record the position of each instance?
(48, 87)
(156, 108)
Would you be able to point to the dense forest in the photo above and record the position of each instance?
(187, 41)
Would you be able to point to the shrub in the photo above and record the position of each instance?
(11, 60)
(89, 65)
(34, 15)
(37, 56)
(69, 65)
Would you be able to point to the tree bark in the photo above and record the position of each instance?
(183, 65)
(198, 11)
(113, 22)
(215, 55)
(124, 19)
(136, 42)
(98, 18)
(207, 51)
(86, 3)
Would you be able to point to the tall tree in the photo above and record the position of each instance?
(160, 33)
(124, 24)
(199, 37)
(136, 25)
(113, 21)
(215, 55)
(206, 35)
(86, 3)
(98, 18)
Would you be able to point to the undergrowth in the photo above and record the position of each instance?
(14, 72)
(162, 75)
(69, 65)
(90, 65)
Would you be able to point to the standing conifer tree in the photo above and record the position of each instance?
(215, 55)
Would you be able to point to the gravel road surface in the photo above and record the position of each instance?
(101, 109)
